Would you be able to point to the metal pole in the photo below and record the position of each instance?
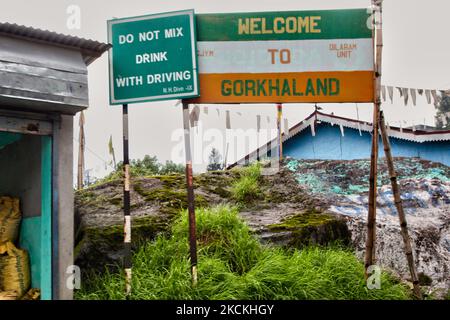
(399, 206)
(371, 219)
(280, 134)
(190, 194)
(126, 204)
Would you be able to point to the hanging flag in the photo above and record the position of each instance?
(228, 120)
(342, 130)
(218, 112)
(428, 95)
(405, 95)
(391, 93)
(383, 92)
(111, 151)
(258, 123)
(313, 128)
(205, 110)
(194, 116)
(420, 91)
(413, 96)
(435, 97)
(400, 91)
(286, 127)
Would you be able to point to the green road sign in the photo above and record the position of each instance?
(154, 57)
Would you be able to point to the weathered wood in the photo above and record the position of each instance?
(280, 132)
(371, 219)
(190, 194)
(42, 77)
(81, 147)
(399, 206)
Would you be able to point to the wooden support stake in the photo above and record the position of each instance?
(81, 145)
(399, 206)
(371, 219)
(280, 132)
(127, 261)
(190, 194)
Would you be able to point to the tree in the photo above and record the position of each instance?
(215, 160)
(170, 167)
(443, 111)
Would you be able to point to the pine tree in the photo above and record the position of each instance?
(443, 113)
(215, 161)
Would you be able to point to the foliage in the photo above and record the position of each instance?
(215, 161)
(234, 265)
(443, 112)
(247, 187)
(148, 166)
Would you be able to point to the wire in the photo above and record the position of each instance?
(95, 154)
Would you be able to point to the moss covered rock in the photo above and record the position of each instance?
(311, 228)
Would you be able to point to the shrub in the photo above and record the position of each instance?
(234, 265)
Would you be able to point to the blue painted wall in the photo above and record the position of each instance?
(328, 144)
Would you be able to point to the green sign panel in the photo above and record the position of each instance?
(153, 58)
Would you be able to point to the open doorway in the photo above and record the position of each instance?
(26, 174)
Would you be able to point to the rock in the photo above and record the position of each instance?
(306, 202)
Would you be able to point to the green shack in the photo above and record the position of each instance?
(43, 84)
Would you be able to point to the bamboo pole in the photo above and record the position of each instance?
(399, 206)
(81, 147)
(280, 132)
(190, 194)
(371, 219)
(127, 262)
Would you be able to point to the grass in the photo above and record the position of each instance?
(234, 265)
(247, 188)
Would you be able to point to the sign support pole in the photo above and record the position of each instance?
(81, 144)
(399, 205)
(280, 133)
(371, 219)
(190, 194)
(126, 205)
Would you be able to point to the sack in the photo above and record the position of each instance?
(8, 295)
(14, 269)
(10, 217)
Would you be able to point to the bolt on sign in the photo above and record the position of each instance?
(282, 57)
(153, 58)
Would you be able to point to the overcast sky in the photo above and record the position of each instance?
(416, 54)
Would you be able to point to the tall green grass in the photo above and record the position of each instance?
(233, 265)
(247, 187)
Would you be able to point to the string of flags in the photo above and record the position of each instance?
(431, 95)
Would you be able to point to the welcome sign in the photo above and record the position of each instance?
(283, 57)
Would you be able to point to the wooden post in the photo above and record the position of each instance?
(280, 132)
(81, 147)
(371, 219)
(190, 194)
(127, 261)
(399, 206)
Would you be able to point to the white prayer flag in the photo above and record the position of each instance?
(286, 127)
(228, 120)
(391, 93)
(428, 95)
(413, 96)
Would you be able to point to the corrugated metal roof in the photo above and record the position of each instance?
(90, 49)
(418, 136)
